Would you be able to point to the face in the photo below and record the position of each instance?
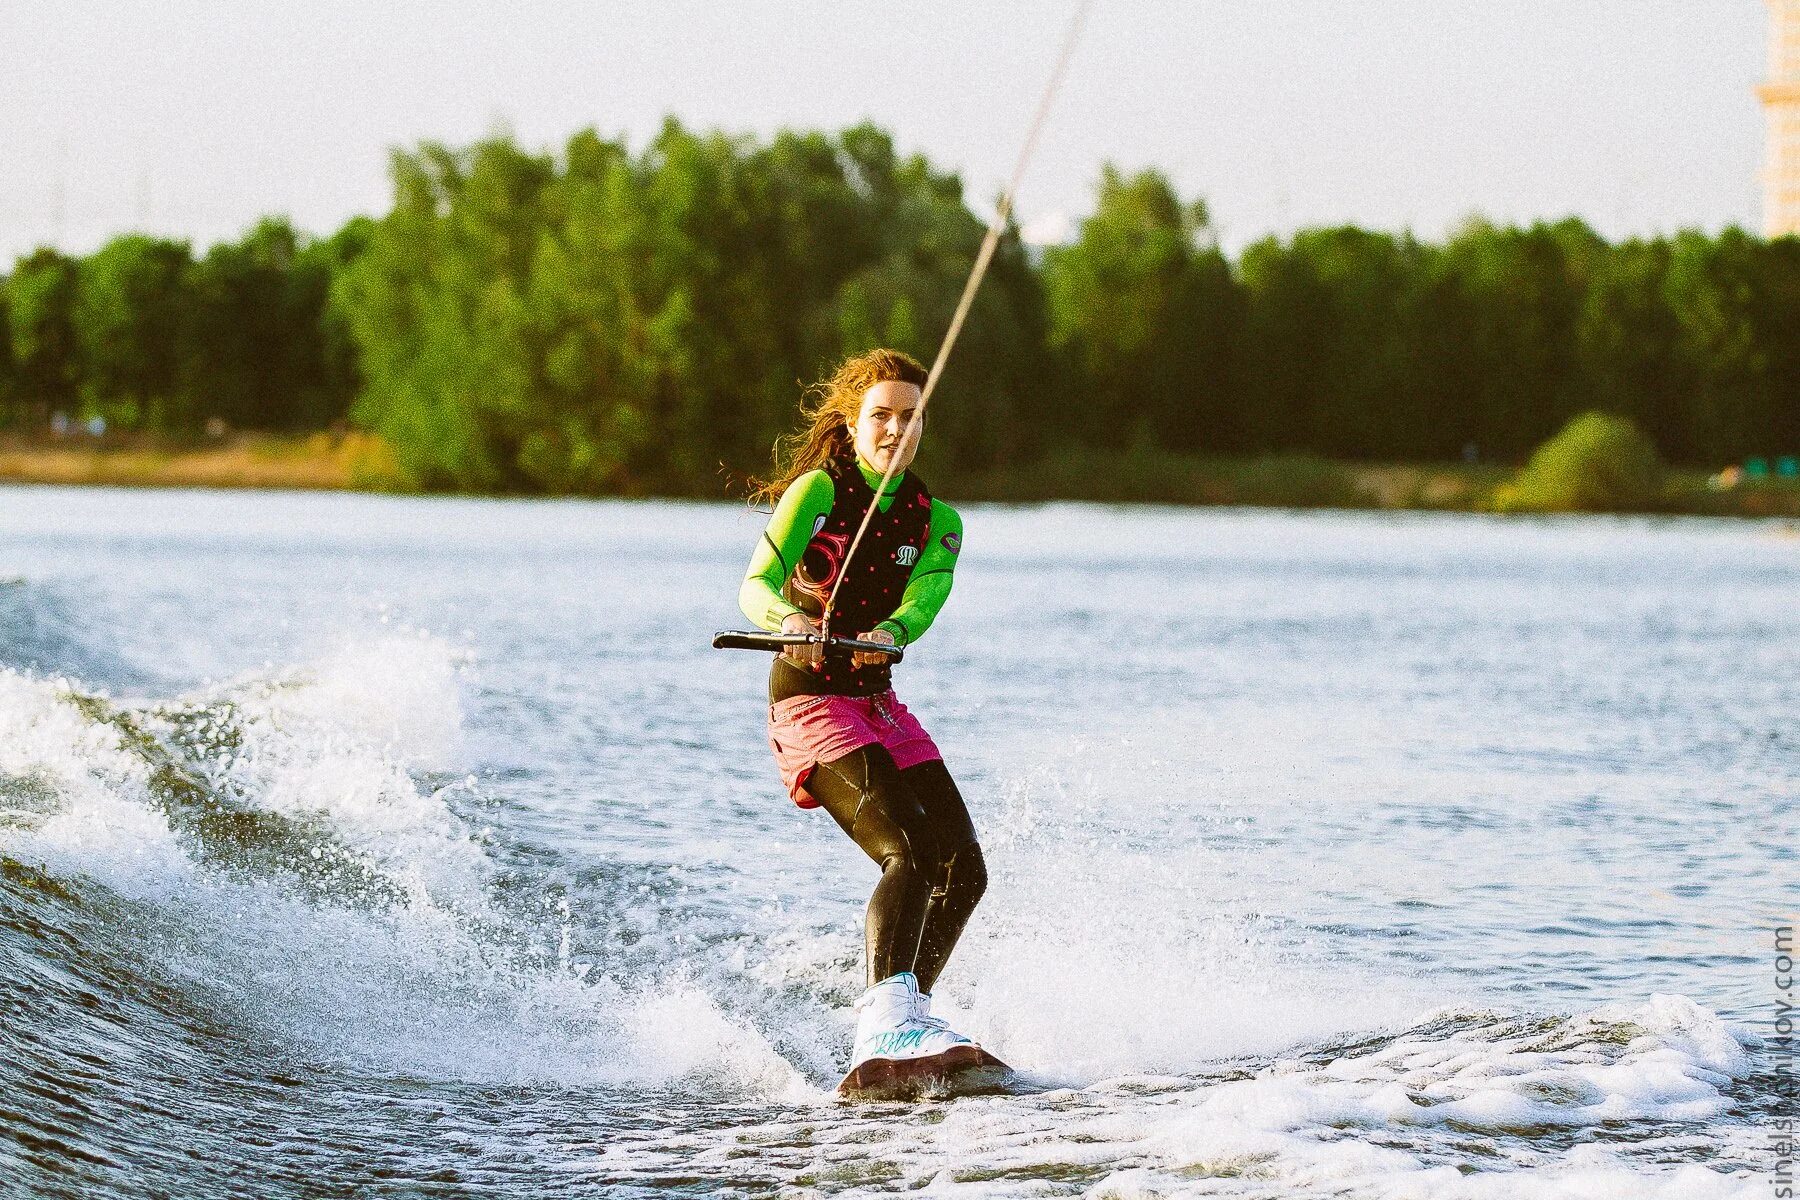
(886, 409)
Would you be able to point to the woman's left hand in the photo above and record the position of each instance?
(866, 658)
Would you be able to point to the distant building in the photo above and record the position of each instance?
(1781, 101)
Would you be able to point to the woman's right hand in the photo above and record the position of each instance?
(809, 655)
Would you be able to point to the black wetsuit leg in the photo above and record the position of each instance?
(914, 824)
(962, 873)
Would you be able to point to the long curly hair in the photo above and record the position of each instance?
(828, 409)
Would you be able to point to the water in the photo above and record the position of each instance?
(378, 847)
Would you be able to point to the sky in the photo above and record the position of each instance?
(192, 118)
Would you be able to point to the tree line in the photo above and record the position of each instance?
(609, 321)
(146, 337)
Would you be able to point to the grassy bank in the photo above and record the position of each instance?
(328, 461)
(356, 461)
(1302, 481)
(1283, 481)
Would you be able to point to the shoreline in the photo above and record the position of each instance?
(301, 462)
(358, 462)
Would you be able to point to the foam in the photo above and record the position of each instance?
(442, 986)
(1181, 974)
(343, 740)
(98, 820)
(682, 1034)
(446, 987)
(1667, 1059)
(1382, 1122)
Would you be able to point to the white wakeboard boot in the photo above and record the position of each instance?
(922, 1013)
(904, 1053)
(893, 1022)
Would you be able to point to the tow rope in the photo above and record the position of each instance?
(989, 243)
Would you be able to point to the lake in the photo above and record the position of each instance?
(378, 846)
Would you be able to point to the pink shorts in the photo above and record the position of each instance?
(805, 731)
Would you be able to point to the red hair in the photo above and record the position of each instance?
(830, 407)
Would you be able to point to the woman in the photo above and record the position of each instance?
(841, 739)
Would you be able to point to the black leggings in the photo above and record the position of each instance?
(914, 824)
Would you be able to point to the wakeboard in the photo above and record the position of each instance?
(959, 1071)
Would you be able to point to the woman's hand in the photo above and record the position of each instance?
(868, 658)
(810, 654)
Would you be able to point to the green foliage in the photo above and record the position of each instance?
(258, 350)
(156, 341)
(319, 352)
(129, 312)
(46, 371)
(9, 399)
(1329, 364)
(1142, 311)
(614, 322)
(234, 317)
(1598, 463)
(1144, 475)
(1523, 290)
(610, 319)
(1723, 294)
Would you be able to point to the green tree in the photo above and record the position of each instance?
(129, 319)
(40, 294)
(1628, 342)
(434, 305)
(323, 356)
(650, 290)
(1598, 462)
(986, 410)
(620, 322)
(1711, 287)
(1143, 310)
(611, 320)
(9, 398)
(1285, 304)
(1342, 356)
(1777, 427)
(1524, 289)
(1444, 378)
(261, 350)
(240, 335)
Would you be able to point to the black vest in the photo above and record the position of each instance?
(877, 581)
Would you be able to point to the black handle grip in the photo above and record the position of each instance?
(738, 639)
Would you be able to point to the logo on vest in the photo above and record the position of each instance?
(907, 555)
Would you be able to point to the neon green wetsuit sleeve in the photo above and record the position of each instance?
(790, 527)
(929, 585)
